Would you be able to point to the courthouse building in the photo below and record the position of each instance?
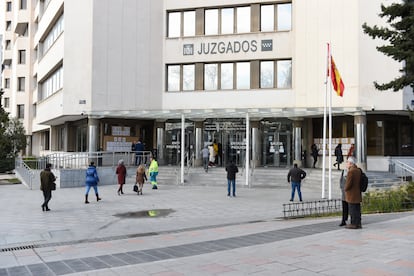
(87, 75)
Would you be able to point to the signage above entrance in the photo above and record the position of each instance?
(227, 47)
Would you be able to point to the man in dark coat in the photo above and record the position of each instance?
(295, 177)
(231, 170)
(47, 178)
(353, 193)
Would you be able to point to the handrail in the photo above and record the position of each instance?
(403, 169)
(25, 172)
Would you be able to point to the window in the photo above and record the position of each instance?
(20, 111)
(52, 84)
(8, 25)
(22, 56)
(243, 75)
(227, 21)
(226, 80)
(6, 102)
(7, 83)
(284, 17)
(21, 83)
(188, 77)
(267, 18)
(8, 44)
(9, 6)
(266, 74)
(284, 74)
(211, 22)
(210, 76)
(53, 34)
(243, 20)
(189, 23)
(174, 24)
(34, 110)
(23, 4)
(173, 79)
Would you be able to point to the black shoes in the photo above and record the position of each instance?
(342, 223)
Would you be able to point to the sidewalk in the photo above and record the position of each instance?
(206, 233)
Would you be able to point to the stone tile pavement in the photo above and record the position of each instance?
(205, 234)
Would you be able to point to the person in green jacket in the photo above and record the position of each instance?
(153, 172)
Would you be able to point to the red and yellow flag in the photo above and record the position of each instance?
(337, 82)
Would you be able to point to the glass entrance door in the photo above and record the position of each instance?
(276, 144)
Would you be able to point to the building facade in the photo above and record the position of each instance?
(180, 75)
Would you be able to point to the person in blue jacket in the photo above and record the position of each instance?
(92, 180)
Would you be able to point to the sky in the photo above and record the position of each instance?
(1, 16)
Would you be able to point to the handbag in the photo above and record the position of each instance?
(135, 188)
(53, 186)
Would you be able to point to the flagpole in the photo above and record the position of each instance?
(324, 128)
(330, 135)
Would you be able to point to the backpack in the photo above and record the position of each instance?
(363, 182)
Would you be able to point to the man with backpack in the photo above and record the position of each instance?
(353, 193)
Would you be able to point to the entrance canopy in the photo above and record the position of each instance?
(195, 114)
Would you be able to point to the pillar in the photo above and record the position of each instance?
(256, 144)
(93, 134)
(160, 142)
(198, 143)
(297, 140)
(360, 125)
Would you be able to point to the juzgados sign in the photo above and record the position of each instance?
(227, 47)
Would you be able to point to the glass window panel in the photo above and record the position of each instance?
(174, 24)
(173, 78)
(211, 22)
(189, 23)
(243, 20)
(267, 18)
(227, 21)
(243, 75)
(188, 77)
(284, 17)
(210, 76)
(266, 74)
(226, 76)
(284, 74)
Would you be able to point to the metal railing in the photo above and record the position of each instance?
(312, 208)
(25, 173)
(401, 169)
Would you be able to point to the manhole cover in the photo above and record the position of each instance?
(155, 213)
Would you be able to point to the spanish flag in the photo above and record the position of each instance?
(337, 82)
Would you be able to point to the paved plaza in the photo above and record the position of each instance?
(198, 231)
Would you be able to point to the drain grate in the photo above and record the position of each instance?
(17, 248)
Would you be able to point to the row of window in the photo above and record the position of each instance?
(230, 75)
(230, 20)
(21, 83)
(53, 35)
(52, 84)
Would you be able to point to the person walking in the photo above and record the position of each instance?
(314, 153)
(140, 178)
(231, 170)
(205, 155)
(47, 180)
(295, 176)
(153, 172)
(92, 180)
(351, 151)
(339, 156)
(353, 193)
(345, 210)
(139, 153)
(121, 172)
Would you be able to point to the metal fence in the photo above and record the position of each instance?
(312, 208)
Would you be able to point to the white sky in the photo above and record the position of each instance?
(1, 16)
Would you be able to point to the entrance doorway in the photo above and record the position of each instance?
(276, 144)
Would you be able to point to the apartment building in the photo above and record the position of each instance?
(179, 75)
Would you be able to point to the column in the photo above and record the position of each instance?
(256, 144)
(360, 125)
(198, 143)
(297, 140)
(160, 142)
(93, 134)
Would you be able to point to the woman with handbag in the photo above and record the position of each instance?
(47, 184)
(140, 179)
